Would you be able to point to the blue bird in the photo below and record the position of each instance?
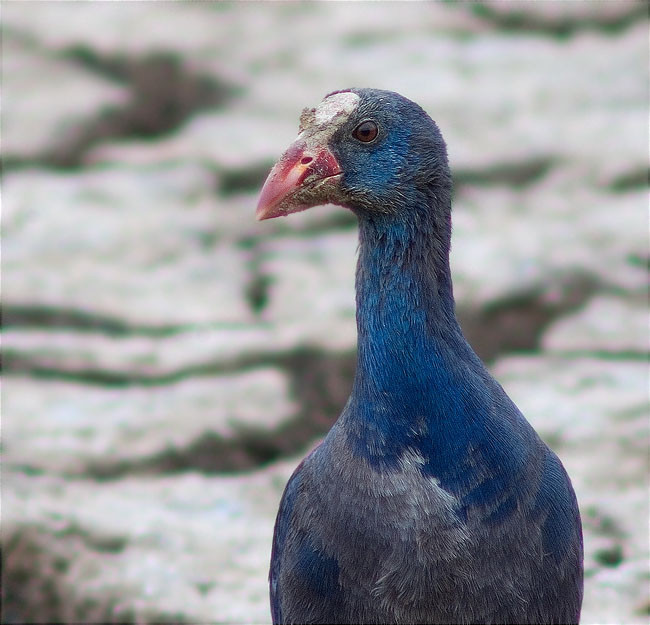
(431, 499)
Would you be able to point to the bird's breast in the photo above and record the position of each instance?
(362, 510)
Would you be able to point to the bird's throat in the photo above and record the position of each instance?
(409, 341)
(405, 302)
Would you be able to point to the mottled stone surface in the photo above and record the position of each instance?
(168, 360)
(186, 548)
(63, 427)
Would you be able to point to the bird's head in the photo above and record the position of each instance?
(372, 151)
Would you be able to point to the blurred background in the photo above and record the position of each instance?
(168, 360)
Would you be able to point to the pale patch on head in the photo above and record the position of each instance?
(337, 105)
(317, 125)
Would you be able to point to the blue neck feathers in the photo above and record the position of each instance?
(419, 386)
(405, 308)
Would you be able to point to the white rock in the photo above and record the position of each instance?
(231, 139)
(142, 245)
(607, 323)
(311, 294)
(46, 100)
(507, 239)
(490, 94)
(185, 548)
(76, 428)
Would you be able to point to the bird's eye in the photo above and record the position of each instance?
(365, 131)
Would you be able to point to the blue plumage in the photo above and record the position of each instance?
(431, 500)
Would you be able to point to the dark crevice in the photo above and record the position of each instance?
(601, 524)
(15, 362)
(38, 583)
(518, 19)
(59, 318)
(516, 322)
(257, 291)
(209, 454)
(320, 383)
(243, 179)
(511, 173)
(164, 91)
(55, 318)
(639, 260)
(101, 543)
(631, 181)
(26, 597)
(611, 556)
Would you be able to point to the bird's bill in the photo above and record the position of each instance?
(299, 180)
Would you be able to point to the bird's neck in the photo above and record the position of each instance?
(405, 304)
(410, 345)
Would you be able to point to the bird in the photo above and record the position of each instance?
(431, 499)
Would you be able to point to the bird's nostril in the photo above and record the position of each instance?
(306, 159)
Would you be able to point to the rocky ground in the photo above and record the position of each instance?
(167, 360)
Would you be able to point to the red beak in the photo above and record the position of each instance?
(291, 185)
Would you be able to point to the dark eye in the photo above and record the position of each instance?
(365, 131)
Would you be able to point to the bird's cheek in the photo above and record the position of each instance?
(299, 180)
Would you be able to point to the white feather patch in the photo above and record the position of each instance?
(339, 104)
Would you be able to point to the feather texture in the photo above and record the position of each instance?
(431, 500)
